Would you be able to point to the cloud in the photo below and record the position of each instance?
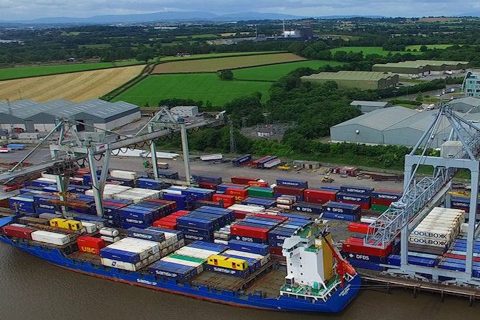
(24, 9)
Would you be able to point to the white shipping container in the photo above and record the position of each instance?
(225, 242)
(89, 227)
(121, 265)
(272, 163)
(245, 208)
(50, 237)
(109, 232)
(196, 252)
(211, 157)
(284, 206)
(197, 265)
(122, 174)
(428, 241)
(110, 239)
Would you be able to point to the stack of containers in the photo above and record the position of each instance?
(177, 271)
(130, 254)
(437, 231)
(286, 202)
(291, 187)
(200, 224)
(355, 195)
(168, 174)
(177, 196)
(262, 202)
(42, 182)
(110, 190)
(365, 257)
(260, 192)
(174, 240)
(222, 235)
(311, 208)
(381, 200)
(463, 203)
(255, 228)
(170, 221)
(143, 214)
(147, 183)
(224, 199)
(241, 211)
(137, 194)
(23, 203)
(208, 182)
(319, 196)
(110, 210)
(277, 236)
(341, 211)
(243, 180)
(122, 174)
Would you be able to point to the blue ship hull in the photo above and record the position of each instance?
(336, 303)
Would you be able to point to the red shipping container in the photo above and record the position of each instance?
(271, 216)
(165, 224)
(289, 191)
(460, 257)
(383, 202)
(277, 251)
(249, 231)
(227, 200)
(242, 180)
(261, 184)
(359, 227)
(18, 232)
(240, 214)
(319, 196)
(355, 245)
(90, 244)
(208, 185)
(180, 213)
(364, 206)
(239, 195)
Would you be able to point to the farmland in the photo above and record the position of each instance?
(43, 70)
(214, 55)
(275, 72)
(199, 87)
(77, 86)
(369, 50)
(417, 47)
(213, 65)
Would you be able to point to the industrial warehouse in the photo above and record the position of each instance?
(364, 80)
(393, 126)
(30, 116)
(421, 67)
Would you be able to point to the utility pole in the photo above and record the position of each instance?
(233, 147)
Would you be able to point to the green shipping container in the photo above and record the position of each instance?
(260, 192)
(379, 208)
(186, 258)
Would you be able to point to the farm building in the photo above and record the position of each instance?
(421, 67)
(356, 79)
(368, 106)
(184, 111)
(392, 126)
(467, 104)
(30, 116)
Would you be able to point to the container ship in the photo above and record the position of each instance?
(243, 243)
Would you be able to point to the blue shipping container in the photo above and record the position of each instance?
(292, 183)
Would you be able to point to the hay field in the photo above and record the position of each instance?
(77, 86)
(213, 65)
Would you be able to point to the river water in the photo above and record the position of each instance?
(33, 289)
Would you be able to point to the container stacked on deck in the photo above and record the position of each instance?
(110, 210)
(436, 231)
(130, 254)
(355, 195)
(143, 214)
(23, 203)
(170, 221)
(381, 200)
(201, 223)
(463, 203)
(137, 194)
(455, 257)
(365, 257)
(90, 244)
(255, 228)
(341, 211)
(285, 230)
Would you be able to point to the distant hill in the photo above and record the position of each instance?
(156, 16)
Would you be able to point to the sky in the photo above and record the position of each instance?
(29, 9)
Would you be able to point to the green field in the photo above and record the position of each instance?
(276, 71)
(215, 55)
(32, 71)
(198, 36)
(370, 50)
(416, 47)
(200, 87)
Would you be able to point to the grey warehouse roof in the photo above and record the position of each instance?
(379, 104)
(474, 102)
(380, 119)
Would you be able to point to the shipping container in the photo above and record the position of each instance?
(50, 237)
(242, 160)
(18, 232)
(211, 179)
(260, 192)
(90, 244)
(356, 245)
(356, 190)
(342, 208)
(289, 191)
(263, 202)
(292, 183)
(319, 196)
(308, 208)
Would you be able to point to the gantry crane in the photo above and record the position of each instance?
(421, 194)
(71, 146)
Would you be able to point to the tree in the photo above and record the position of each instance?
(226, 74)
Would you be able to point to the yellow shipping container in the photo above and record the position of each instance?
(72, 225)
(227, 262)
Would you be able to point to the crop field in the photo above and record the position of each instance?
(199, 87)
(77, 86)
(276, 71)
(32, 71)
(199, 36)
(215, 55)
(417, 47)
(369, 50)
(213, 65)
